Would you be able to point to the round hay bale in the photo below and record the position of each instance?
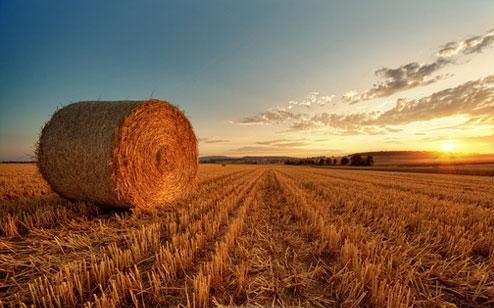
(122, 154)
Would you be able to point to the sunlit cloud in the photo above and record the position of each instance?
(405, 77)
(289, 150)
(350, 96)
(271, 117)
(312, 99)
(474, 99)
(475, 44)
(283, 114)
(283, 145)
(268, 149)
(414, 74)
(282, 142)
(489, 139)
(211, 140)
(303, 125)
(481, 119)
(343, 121)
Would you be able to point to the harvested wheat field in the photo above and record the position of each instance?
(255, 235)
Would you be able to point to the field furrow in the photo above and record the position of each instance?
(408, 241)
(262, 236)
(106, 239)
(273, 263)
(459, 189)
(163, 276)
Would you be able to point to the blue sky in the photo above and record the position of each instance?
(224, 62)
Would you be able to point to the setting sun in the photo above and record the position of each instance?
(448, 147)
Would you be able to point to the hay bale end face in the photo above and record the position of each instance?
(122, 154)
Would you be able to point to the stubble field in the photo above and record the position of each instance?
(255, 235)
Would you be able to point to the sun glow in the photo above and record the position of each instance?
(448, 146)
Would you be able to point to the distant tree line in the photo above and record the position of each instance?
(359, 160)
(353, 160)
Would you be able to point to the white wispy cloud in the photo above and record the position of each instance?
(271, 117)
(312, 99)
(212, 140)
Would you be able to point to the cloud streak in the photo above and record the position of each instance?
(474, 99)
(212, 140)
(399, 79)
(283, 114)
(288, 150)
(283, 143)
(271, 117)
(475, 44)
(489, 139)
(313, 99)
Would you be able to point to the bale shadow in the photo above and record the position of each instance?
(108, 210)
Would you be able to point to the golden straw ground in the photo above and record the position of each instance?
(122, 154)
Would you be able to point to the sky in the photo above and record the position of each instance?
(299, 78)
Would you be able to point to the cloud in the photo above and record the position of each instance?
(270, 117)
(405, 77)
(314, 98)
(414, 74)
(474, 99)
(393, 141)
(270, 150)
(361, 130)
(471, 98)
(258, 149)
(270, 142)
(280, 142)
(475, 44)
(291, 144)
(348, 121)
(489, 139)
(212, 140)
(267, 149)
(393, 130)
(350, 96)
(303, 125)
(481, 119)
(274, 146)
(448, 50)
